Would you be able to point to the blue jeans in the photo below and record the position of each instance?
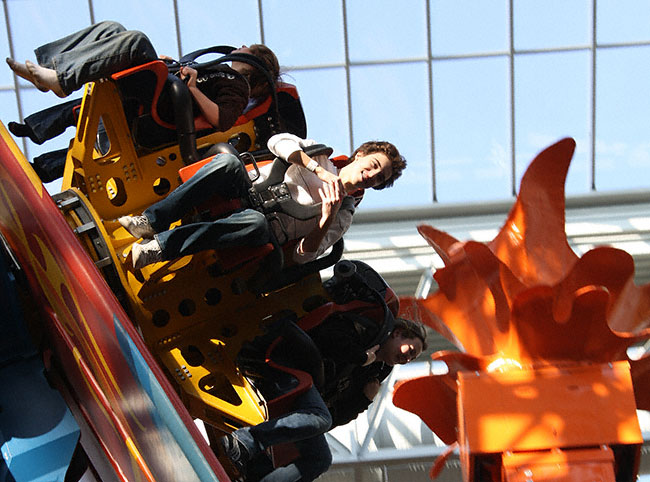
(306, 427)
(94, 53)
(223, 176)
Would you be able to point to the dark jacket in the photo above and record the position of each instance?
(343, 340)
(222, 85)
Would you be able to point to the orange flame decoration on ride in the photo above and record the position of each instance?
(525, 299)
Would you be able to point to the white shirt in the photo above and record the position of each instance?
(303, 185)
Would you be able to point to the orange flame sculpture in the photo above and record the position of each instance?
(542, 388)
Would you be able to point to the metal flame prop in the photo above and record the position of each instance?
(526, 303)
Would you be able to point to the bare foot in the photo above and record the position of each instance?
(44, 78)
(22, 71)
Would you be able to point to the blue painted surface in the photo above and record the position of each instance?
(38, 434)
(189, 461)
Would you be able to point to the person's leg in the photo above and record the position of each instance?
(305, 426)
(47, 123)
(309, 419)
(50, 165)
(91, 58)
(315, 458)
(224, 175)
(43, 74)
(240, 229)
(86, 36)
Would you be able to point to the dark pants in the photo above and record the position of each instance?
(50, 165)
(224, 176)
(94, 53)
(48, 123)
(305, 426)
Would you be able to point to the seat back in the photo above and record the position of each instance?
(367, 299)
(140, 88)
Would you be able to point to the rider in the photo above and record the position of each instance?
(220, 94)
(352, 379)
(372, 165)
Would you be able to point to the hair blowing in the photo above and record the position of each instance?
(258, 81)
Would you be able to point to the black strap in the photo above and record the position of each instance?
(227, 56)
(215, 49)
(272, 195)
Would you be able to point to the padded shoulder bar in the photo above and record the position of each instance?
(181, 99)
(297, 272)
(215, 49)
(355, 280)
(272, 195)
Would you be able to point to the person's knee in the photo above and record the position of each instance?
(141, 46)
(324, 420)
(222, 165)
(228, 160)
(110, 27)
(259, 225)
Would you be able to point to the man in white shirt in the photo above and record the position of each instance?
(310, 180)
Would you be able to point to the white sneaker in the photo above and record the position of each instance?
(146, 253)
(137, 226)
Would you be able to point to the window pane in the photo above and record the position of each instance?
(202, 26)
(6, 76)
(553, 102)
(552, 23)
(467, 26)
(160, 28)
(368, 41)
(622, 106)
(472, 130)
(34, 23)
(391, 103)
(304, 32)
(623, 21)
(9, 111)
(324, 99)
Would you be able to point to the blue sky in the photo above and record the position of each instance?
(465, 155)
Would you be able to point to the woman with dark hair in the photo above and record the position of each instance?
(220, 94)
(65, 65)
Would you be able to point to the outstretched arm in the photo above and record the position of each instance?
(209, 109)
(331, 195)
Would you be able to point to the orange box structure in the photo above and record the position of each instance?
(526, 412)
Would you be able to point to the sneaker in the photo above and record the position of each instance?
(137, 226)
(146, 253)
(233, 455)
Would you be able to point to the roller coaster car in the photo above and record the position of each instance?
(124, 156)
(194, 313)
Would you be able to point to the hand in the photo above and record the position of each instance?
(188, 74)
(371, 389)
(371, 353)
(331, 195)
(165, 57)
(326, 176)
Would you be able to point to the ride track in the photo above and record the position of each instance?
(139, 422)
